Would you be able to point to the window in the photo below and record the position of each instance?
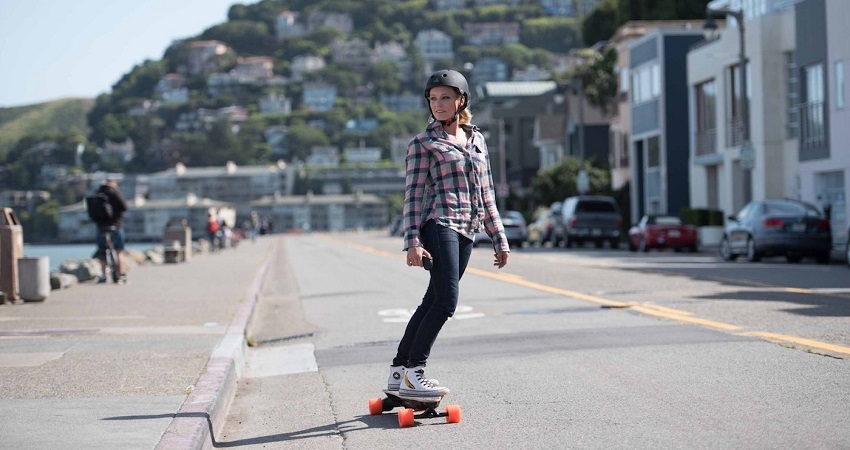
(646, 83)
(812, 126)
(705, 95)
(791, 124)
(734, 106)
(653, 157)
(839, 85)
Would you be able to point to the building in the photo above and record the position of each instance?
(230, 183)
(321, 212)
(823, 151)
(287, 25)
(434, 45)
(304, 64)
(491, 33)
(659, 140)
(381, 179)
(618, 155)
(318, 97)
(202, 56)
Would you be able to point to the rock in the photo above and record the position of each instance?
(154, 257)
(59, 280)
(85, 270)
(136, 256)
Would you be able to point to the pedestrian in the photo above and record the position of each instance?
(255, 225)
(448, 197)
(113, 221)
(212, 230)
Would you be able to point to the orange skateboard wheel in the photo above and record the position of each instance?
(376, 406)
(405, 417)
(453, 414)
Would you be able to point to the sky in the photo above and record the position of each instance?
(51, 49)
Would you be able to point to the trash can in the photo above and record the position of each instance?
(11, 248)
(34, 279)
(179, 231)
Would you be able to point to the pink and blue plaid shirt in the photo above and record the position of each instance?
(451, 184)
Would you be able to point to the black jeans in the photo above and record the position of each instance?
(450, 252)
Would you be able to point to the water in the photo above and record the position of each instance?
(61, 253)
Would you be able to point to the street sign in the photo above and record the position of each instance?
(583, 182)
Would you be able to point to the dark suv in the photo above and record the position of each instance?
(594, 218)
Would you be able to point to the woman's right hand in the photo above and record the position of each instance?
(415, 254)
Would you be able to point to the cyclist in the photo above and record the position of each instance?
(119, 206)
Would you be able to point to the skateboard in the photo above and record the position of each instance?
(427, 406)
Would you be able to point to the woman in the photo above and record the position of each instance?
(448, 198)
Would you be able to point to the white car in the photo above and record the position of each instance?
(515, 230)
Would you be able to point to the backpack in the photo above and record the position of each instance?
(100, 209)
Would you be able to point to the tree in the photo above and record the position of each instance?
(302, 138)
(600, 24)
(597, 74)
(556, 183)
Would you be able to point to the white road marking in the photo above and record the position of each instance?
(404, 315)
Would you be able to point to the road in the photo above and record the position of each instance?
(578, 348)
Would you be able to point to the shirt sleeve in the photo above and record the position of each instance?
(415, 180)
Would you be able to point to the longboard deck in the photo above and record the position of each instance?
(436, 400)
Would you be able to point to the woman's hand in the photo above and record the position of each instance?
(501, 259)
(415, 254)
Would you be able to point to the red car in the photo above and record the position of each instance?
(662, 231)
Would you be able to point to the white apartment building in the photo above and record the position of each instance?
(799, 123)
(720, 179)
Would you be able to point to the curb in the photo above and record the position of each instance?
(204, 411)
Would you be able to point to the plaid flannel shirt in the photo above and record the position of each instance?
(452, 185)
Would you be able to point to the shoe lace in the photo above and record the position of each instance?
(420, 375)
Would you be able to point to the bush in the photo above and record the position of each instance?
(702, 216)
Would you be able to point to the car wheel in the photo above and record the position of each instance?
(793, 258)
(726, 250)
(823, 258)
(598, 244)
(615, 244)
(752, 254)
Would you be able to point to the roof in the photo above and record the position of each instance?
(517, 88)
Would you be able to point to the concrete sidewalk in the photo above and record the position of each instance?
(150, 364)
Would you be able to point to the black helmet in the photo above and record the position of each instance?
(450, 78)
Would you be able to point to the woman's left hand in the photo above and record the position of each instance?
(501, 259)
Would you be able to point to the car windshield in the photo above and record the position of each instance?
(667, 220)
(790, 209)
(595, 206)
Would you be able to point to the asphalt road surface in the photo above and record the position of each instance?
(578, 348)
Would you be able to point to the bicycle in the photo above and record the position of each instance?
(110, 254)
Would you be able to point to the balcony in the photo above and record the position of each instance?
(812, 125)
(734, 132)
(706, 142)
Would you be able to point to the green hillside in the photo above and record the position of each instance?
(51, 118)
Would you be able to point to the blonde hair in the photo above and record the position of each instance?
(464, 117)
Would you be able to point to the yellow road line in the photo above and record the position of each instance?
(520, 281)
(798, 340)
(686, 318)
(668, 310)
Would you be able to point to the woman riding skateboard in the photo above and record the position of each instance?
(448, 197)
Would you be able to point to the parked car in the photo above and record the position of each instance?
(594, 218)
(515, 230)
(777, 228)
(847, 248)
(540, 231)
(662, 231)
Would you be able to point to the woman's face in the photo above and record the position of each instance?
(444, 102)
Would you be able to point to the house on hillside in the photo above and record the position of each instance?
(434, 45)
(491, 33)
(201, 56)
(287, 24)
(318, 97)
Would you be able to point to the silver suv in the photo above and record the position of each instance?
(589, 218)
